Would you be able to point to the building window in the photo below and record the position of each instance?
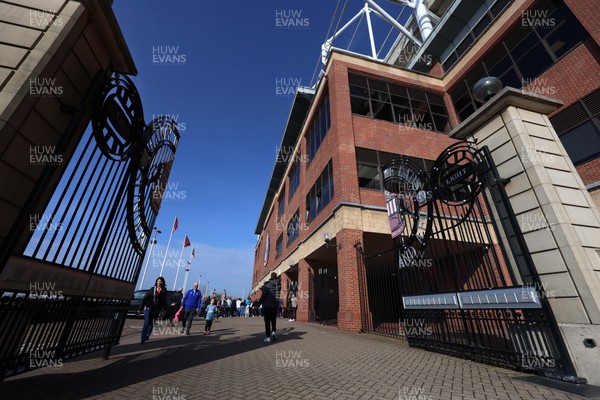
(293, 228)
(320, 194)
(281, 204)
(477, 29)
(370, 165)
(294, 178)
(279, 246)
(578, 127)
(368, 176)
(320, 127)
(524, 54)
(389, 102)
(583, 142)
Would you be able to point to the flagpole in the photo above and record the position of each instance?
(156, 232)
(178, 264)
(162, 268)
(187, 271)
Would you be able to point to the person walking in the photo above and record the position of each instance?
(211, 310)
(269, 302)
(294, 306)
(175, 306)
(191, 304)
(155, 301)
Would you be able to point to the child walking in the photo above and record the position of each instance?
(210, 316)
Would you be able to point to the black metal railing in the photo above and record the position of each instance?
(460, 252)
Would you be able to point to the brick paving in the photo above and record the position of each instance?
(308, 361)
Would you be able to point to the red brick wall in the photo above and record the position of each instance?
(349, 295)
(589, 171)
(572, 77)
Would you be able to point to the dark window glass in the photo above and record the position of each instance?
(357, 80)
(293, 228)
(368, 177)
(279, 246)
(465, 112)
(294, 178)
(582, 142)
(360, 106)
(534, 47)
(281, 203)
(481, 25)
(475, 75)
(510, 78)
(529, 70)
(501, 66)
(403, 115)
(359, 91)
(464, 45)
(441, 123)
(320, 194)
(566, 36)
(382, 111)
(395, 103)
(524, 46)
(450, 61)
(319, 129)
(436, 99)
(498, 7)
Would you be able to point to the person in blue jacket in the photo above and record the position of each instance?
(191, 304)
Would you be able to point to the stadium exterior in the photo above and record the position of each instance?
(528, 228)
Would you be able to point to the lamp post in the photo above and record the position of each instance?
(152, 243)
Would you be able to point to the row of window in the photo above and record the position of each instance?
(486, 20)
(541, 38)
(317, 198)
(394, 103)
(370, 165)
(320, 127)
(294, 178)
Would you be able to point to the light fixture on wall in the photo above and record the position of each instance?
(327, 241)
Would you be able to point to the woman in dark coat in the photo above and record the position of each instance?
(154, 302)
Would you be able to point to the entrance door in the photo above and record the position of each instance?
(325, 284)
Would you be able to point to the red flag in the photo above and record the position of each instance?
(186, 242)
(175, 224)
(193, 252)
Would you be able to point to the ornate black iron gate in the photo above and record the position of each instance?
(450, 284)
(66, 291)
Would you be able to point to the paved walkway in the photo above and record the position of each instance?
(308, 361)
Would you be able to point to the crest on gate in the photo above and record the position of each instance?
(408, 194)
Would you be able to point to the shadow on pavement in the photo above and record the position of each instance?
(134, 363)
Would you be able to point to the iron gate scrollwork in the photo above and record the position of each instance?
(83, 267)
(448, 284)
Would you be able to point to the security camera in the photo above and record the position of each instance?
(326, 238)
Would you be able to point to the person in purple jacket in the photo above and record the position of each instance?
(191, 304)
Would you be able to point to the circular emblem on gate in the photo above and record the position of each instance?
(153, 162)
(118, 118)
(408, 200)
(458, 174)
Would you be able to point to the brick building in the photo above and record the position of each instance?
(325, 204)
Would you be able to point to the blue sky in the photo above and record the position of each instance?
(222, 69)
